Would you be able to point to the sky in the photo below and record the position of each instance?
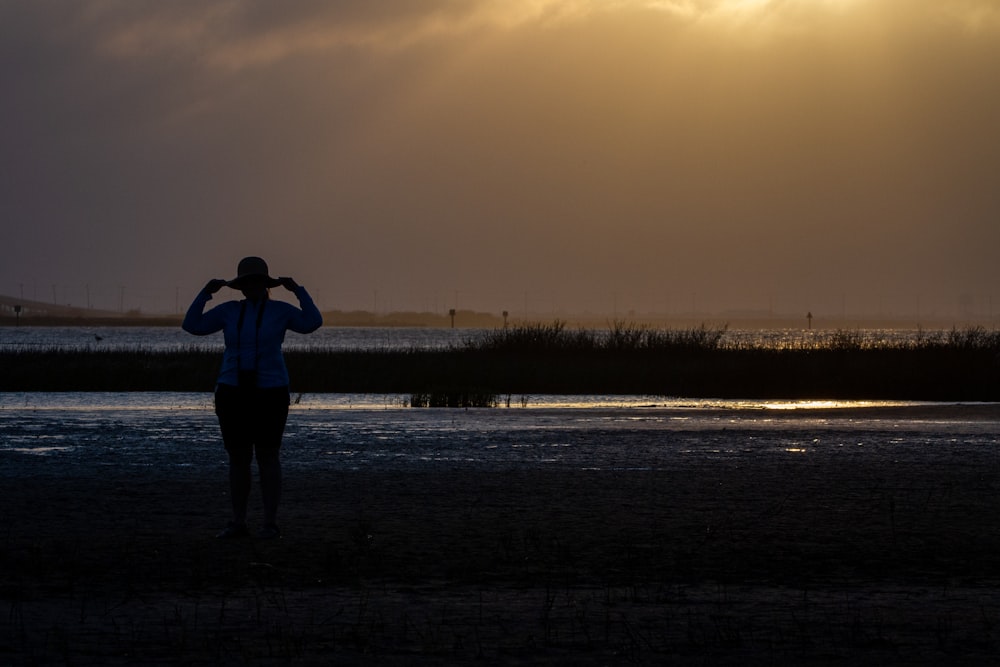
(538, 156)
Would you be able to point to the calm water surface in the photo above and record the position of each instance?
(82, 433)
(174, 338)
(354, 338)
(56, 432)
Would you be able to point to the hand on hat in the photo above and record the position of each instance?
(288, 283)
(214, 285)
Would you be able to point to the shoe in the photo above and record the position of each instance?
(269, 532)
(233, 531)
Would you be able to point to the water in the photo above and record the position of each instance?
(354, 338)
(84, 433)
(174, 338)
(56, 432)
(96, 401)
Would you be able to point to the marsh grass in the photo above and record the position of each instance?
(554, 359)
(620, 336)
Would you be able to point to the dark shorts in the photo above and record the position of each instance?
(251, 420)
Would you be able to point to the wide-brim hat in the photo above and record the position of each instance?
(250, 268)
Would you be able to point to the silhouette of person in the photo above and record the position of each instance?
(251, 394)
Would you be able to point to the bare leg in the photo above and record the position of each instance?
(239, 489)
(270, 486)
(237, 434)
(274, 405)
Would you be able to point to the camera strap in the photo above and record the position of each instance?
(239, 334)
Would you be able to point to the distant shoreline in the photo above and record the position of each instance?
(35, 313)
(475, 320)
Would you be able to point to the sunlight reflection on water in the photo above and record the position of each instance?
(60, 433)
(202, 400)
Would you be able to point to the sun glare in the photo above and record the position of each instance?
(743, 5)
(739, 8)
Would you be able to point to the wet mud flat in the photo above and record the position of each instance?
(879, 555)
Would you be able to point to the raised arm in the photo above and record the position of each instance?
(196, 321)
(308, 318)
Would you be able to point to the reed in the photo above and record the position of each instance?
(961, 365)
(620, 336)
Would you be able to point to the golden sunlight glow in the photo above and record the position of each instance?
(168, 33)
(743, 5)
(769, 10)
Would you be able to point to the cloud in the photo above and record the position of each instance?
(234, 35)
(580, 147)
(977, 16)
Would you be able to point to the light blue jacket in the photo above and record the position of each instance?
(251, 348)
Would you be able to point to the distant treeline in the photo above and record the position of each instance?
(961, 365)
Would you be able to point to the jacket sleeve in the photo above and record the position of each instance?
(200, 323)
(307, 317)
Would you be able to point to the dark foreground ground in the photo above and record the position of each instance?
(806, 561)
